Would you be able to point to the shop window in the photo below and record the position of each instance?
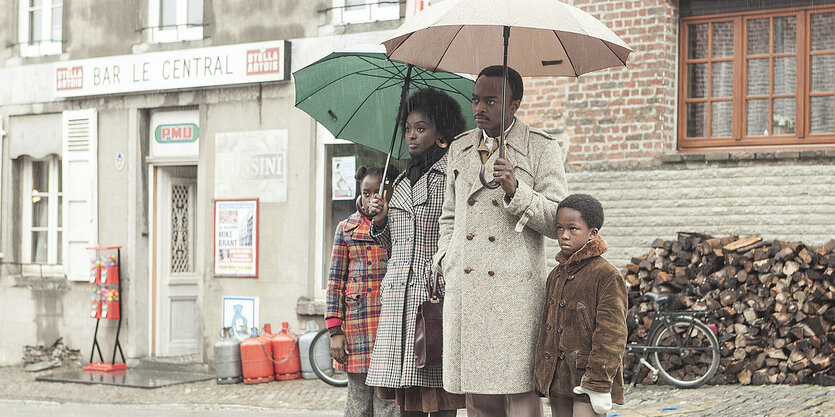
(362, 11)
(175, 20)
(41, 25)
(42, 198)
(764, 78)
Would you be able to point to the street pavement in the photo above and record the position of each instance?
(21, 395)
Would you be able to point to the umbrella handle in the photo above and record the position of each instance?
(361, 211)
(491, 185)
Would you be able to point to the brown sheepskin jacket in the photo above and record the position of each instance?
(582, 336)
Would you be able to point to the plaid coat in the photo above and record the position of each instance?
(357, 267)
(412, 234)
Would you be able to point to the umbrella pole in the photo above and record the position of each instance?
(403, 94)
(493, 184)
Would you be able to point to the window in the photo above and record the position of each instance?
(42, 217)
(764, 78)
(362, 11)
(40, 27)
(176, 20)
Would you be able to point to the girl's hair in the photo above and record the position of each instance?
(363, 172)
(442, 110)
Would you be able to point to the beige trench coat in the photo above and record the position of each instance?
(492, 256)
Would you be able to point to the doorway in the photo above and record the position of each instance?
(176, 313)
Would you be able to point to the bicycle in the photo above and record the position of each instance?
(683, 349)
(321, 361)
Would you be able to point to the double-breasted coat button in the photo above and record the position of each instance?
(467, 270)
(495, 203)
(570, 277)
(492, 238)
(547, 355)
(471, 201)
(354, 279)
(491, 273)
(470, 236)
(559, 329)
(550, 301)
(368, 247)
(368, 290)
(369, 262)
(548, 326)
(562, 303)
(561, 356)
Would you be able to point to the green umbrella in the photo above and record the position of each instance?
(356, 94)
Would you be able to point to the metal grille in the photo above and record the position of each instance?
(180, 250)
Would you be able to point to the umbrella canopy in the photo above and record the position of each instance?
(548, 38)
(356, 93)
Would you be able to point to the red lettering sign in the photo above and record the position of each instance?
(69, 78)
(263, 61)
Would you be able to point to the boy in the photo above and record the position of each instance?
(582, 337)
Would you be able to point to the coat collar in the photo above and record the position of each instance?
(517, 138)
(360, 226)
(406, 196)
(591, 249)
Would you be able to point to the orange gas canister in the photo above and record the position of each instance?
(286, 358)
(256, 363)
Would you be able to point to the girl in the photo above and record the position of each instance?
(358, 264)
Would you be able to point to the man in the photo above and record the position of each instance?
(491, 252)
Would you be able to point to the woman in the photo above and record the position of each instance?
(409, 226)
(357, 267)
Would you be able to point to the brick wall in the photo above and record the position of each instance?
(616, 118)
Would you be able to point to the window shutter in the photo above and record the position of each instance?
(80, 187)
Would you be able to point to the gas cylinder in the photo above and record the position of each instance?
(286, 354)
(323, 354)
(256, 353)
(228, 359)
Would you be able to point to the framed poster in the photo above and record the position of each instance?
(236, 238)
(343, 183)
(240, 313)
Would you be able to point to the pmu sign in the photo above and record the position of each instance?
(176, 133)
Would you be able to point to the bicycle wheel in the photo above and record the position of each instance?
(322, 362)
(690, 355)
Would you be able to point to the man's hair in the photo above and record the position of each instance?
(513, 78)
(440, 108)
(590, 209)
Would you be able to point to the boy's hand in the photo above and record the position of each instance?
(601, 402)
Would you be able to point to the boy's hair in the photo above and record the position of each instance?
(513, 78)
(440, 108)
(591, 211)
(363, 172)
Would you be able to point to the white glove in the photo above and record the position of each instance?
(601, 402)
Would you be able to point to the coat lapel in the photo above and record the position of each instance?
(421, 191)
(402, 198)
(359, 229)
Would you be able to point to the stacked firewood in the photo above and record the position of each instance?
(57, 353)
(773, 303)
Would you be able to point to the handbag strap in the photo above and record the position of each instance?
(433, 285)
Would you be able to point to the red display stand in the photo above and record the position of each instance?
(106, 308)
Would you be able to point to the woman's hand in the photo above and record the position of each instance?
(379, 208)
(339, 348)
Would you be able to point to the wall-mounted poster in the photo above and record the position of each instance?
(240, 313)
(236, 238)
(343, 183)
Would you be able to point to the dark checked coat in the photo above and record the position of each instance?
(358, 264)
(412, 234)
(493, 261)
(582, 337)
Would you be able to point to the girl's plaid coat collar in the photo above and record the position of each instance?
(360, 226)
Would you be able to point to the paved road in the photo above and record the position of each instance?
(23, 396)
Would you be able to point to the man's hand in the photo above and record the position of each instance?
(601, 402)
(379, 208)
(339, 348)
(503, 174)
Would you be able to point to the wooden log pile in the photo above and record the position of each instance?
(772, 301)
(57, 353)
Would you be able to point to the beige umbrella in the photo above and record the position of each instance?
(537, 37)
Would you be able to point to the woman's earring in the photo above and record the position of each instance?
(441, 143)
